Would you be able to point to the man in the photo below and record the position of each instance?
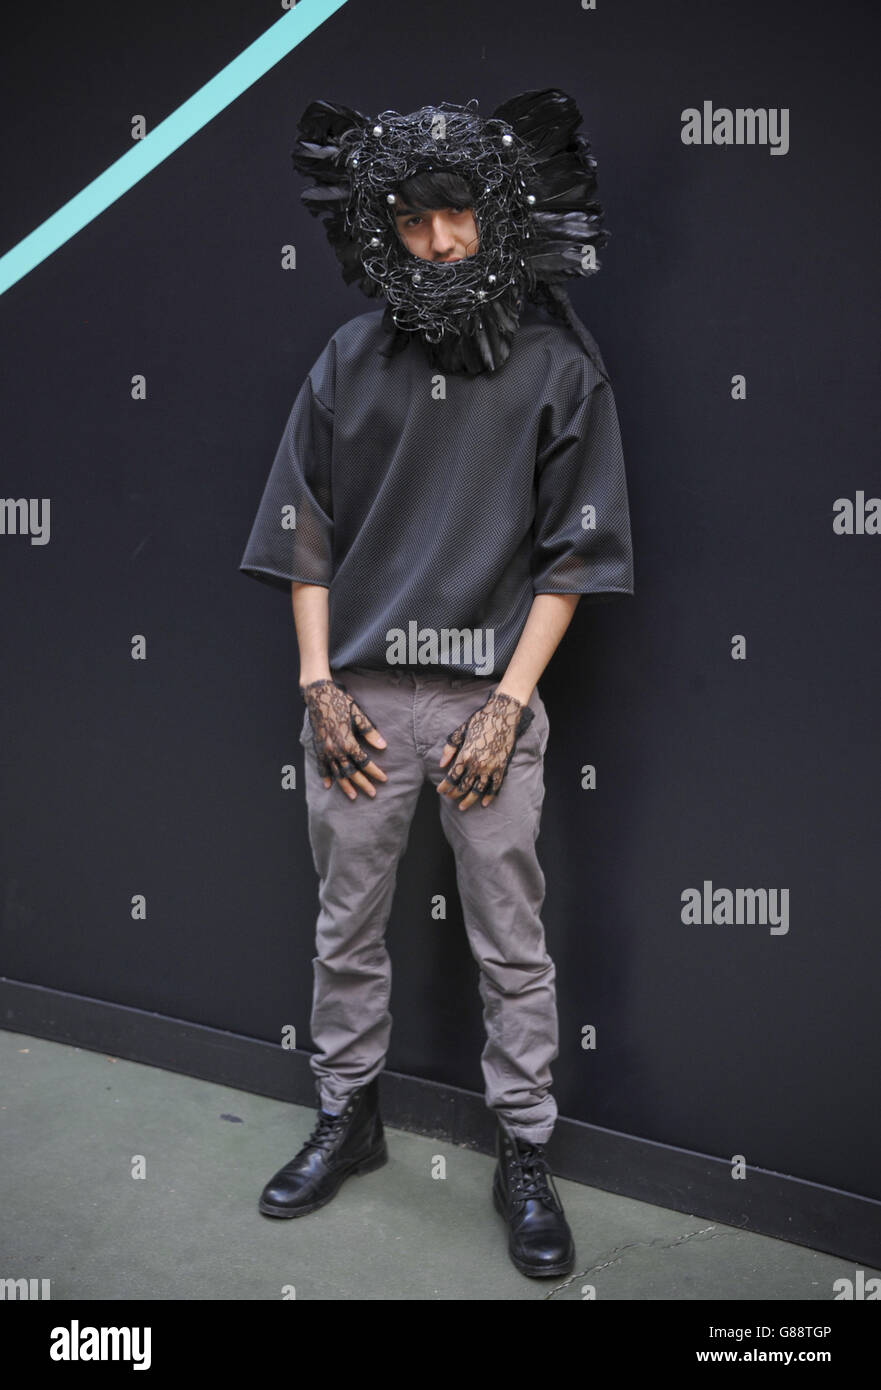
(449, 484)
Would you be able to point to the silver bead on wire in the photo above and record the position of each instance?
(377, 130)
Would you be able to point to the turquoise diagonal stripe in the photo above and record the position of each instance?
(158, 144)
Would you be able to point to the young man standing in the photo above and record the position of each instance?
(449, 484)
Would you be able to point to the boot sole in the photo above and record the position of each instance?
(543, 1271)
(364, 1165)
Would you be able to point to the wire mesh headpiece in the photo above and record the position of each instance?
(532, 179)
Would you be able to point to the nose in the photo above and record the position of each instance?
(443, 237)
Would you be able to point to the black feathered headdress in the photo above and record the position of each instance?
(533, 180)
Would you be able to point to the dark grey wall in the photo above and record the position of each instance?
(162, 777)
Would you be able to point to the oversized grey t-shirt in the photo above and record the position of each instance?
(434, 507)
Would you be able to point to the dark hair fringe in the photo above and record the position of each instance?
(435, 188)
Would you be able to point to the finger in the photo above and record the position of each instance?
(449, 789)
(354, 779)
(465, 788)
(366, 727)
(478, 789)
(453, 789)
(345, 766)
(339, 774)
(359, 780)
(449, 750)
(369, 767)
(375, 771)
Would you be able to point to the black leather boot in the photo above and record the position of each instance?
(540, 1242)
(338, 1147)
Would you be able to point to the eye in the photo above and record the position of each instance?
(412, 220)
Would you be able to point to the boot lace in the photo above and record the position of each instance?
(325, 1131)
(532, 1176)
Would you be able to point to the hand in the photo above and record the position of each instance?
(485, 743)
(335, 719)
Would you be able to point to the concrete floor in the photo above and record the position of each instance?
(73, 1122)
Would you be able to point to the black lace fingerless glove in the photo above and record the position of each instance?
(486, 742)
(336, 718)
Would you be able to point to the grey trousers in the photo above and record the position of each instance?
(356, 846)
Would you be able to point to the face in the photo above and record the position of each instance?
(437, 234)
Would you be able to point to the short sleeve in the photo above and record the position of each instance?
(292, 535)
(581, 530)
